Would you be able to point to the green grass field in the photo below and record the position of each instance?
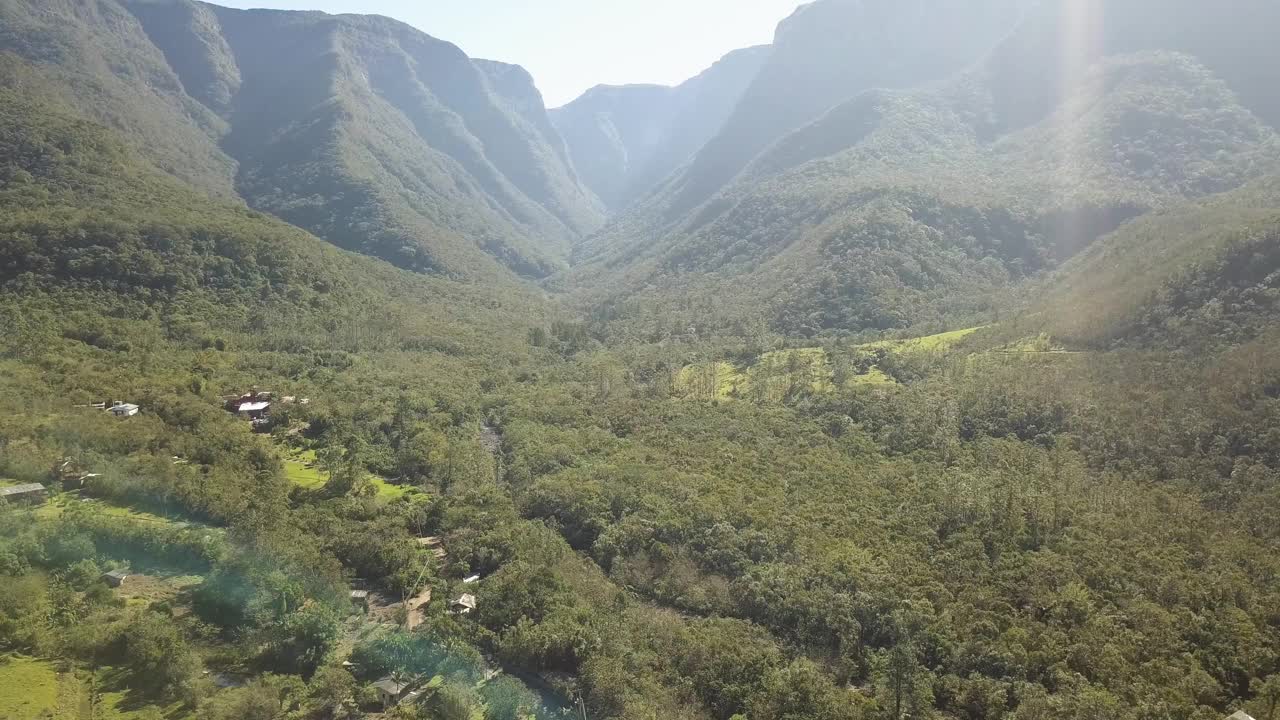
(28, 688)
(57, 506)
(941, 341)
(34, 689)
(301, 470)
(777, 373)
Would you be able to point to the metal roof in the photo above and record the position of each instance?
(21, 489)
(390, 685)
(254, 406)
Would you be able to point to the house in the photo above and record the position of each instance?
(70, 475)
(390, 689)
(464, 604)
(254, 410)
(115, 578)
(361, 598)
(124, 410)
(32, 493)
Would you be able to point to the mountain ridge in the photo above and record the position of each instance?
(369, 133)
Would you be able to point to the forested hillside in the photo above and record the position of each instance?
(922, 208)
(958, 402)
(827, 52)
(363, 131)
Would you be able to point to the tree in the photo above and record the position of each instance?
(331, 693)
(1266, 700)
(506, 698)
(269, 697)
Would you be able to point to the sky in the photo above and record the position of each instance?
(572, 45)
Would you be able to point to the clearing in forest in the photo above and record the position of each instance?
(302, 470)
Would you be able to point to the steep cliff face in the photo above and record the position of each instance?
(625, 140)
(826, 53)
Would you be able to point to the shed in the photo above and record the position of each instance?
(124, 410)
(361, 598)
(115, 578)
(471, 580)
(33, 493)
(254, 409)
(390, 690)
(464, 604)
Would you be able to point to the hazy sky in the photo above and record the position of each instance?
(571, 45)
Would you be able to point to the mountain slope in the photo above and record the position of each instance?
(1196, 278)
(922, 207)
(373, 135)
(826, 53)
(625, 140)
(90, 226)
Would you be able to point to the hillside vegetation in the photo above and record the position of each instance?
(363, 131)
(921, 209)
(955, 402)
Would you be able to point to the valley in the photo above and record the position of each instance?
(920, 364)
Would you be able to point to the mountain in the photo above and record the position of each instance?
(369, 133)
(923, 207)
(624, 140)
(826, 53)
(94, 230)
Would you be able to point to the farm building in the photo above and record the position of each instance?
(390, 690)
(464, 604)
(115, 578)
(254, 410)
(33, 493)
(70, 475)
(124, 410)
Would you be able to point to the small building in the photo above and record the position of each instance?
(124, 410)
(254, 410)
(360, 598)
(115, 578)
(390, 690)
(464, 604)
(70, 475)
(1240, 715)
(472, 580)
(30, 494)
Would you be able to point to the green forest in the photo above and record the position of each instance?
(861, 447)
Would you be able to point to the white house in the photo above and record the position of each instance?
(124, 410)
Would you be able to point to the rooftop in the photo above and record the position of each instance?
(392, 686)
(254, 406)
(21, 489)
